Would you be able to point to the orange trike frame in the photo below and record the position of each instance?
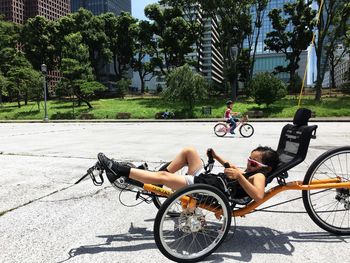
(294, 185)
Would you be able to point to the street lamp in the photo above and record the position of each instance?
(44, 71)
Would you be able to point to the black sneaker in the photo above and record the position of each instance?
(110, 166)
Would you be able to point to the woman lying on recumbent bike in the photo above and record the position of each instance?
(261, 162)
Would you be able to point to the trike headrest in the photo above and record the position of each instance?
(301, 117)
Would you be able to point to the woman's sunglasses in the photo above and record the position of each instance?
(254, 163)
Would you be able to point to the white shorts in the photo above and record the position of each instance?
(190, 178)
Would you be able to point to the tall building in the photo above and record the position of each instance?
(211, 59)
(98, 7)
(207, 53)
(266, 60)
(19, 11)
(102, 6)
(13, 10)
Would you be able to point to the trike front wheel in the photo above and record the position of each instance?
(202, 221)
(329, 208)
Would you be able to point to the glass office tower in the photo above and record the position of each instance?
(266, 60)
(102, 6)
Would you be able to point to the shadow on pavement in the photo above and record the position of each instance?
(239, 245)
(247, 241)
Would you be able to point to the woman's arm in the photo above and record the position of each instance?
(255, 189)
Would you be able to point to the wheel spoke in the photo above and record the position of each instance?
(196, 232)
(330, 208)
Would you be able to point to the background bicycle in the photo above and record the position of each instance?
(245, 129)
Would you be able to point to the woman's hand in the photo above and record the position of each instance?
(233, 173)
(212, 152)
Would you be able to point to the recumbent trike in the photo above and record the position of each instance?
(192, 222)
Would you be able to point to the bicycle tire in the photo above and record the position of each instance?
(176, 236)
(246, 130)
(335, 203)
(220, 129)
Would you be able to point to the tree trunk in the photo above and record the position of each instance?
(318, 86)
(18, 101)
(142, 84)
(26, 99)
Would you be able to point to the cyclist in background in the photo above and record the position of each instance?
(228, 116)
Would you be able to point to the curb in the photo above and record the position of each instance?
(325, 119)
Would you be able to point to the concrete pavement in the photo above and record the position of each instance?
(49, 220)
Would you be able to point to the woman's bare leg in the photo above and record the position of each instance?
(170, 180)
(187, 157)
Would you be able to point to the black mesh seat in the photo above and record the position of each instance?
(294, 143)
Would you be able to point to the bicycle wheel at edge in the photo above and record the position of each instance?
(220, 129)
(246, 130)
(329, 208)
(194, 233)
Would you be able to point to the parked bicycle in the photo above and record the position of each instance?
(245, 129)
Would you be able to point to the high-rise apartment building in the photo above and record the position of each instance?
(211, 59)
(13, 10)
(266, 60)
(206, 52)
(19, 11)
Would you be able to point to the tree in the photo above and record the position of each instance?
(120, 31)
(346, 43)
(191, 13)
(22, 79)
(92, 30)
(9, 34)
(77, 72)
(265, 88)
(331, 11)
(234, 25)
(3, 85)
(174, 37)
(184, 85)
(19, 74)
(36, 40)
(144, 62)
(300, 17)
(259, 7)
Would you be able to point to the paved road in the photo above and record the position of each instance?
(50, 221)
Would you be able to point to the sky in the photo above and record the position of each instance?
(138, 6)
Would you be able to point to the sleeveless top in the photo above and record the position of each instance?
(240, 192)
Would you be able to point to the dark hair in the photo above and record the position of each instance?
(269, 156)
(229, 102)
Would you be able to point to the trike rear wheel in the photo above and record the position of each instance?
(329, 208)
(220, 129)
(201, 223)
(246, 130)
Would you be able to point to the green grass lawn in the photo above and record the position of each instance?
(147, 107)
